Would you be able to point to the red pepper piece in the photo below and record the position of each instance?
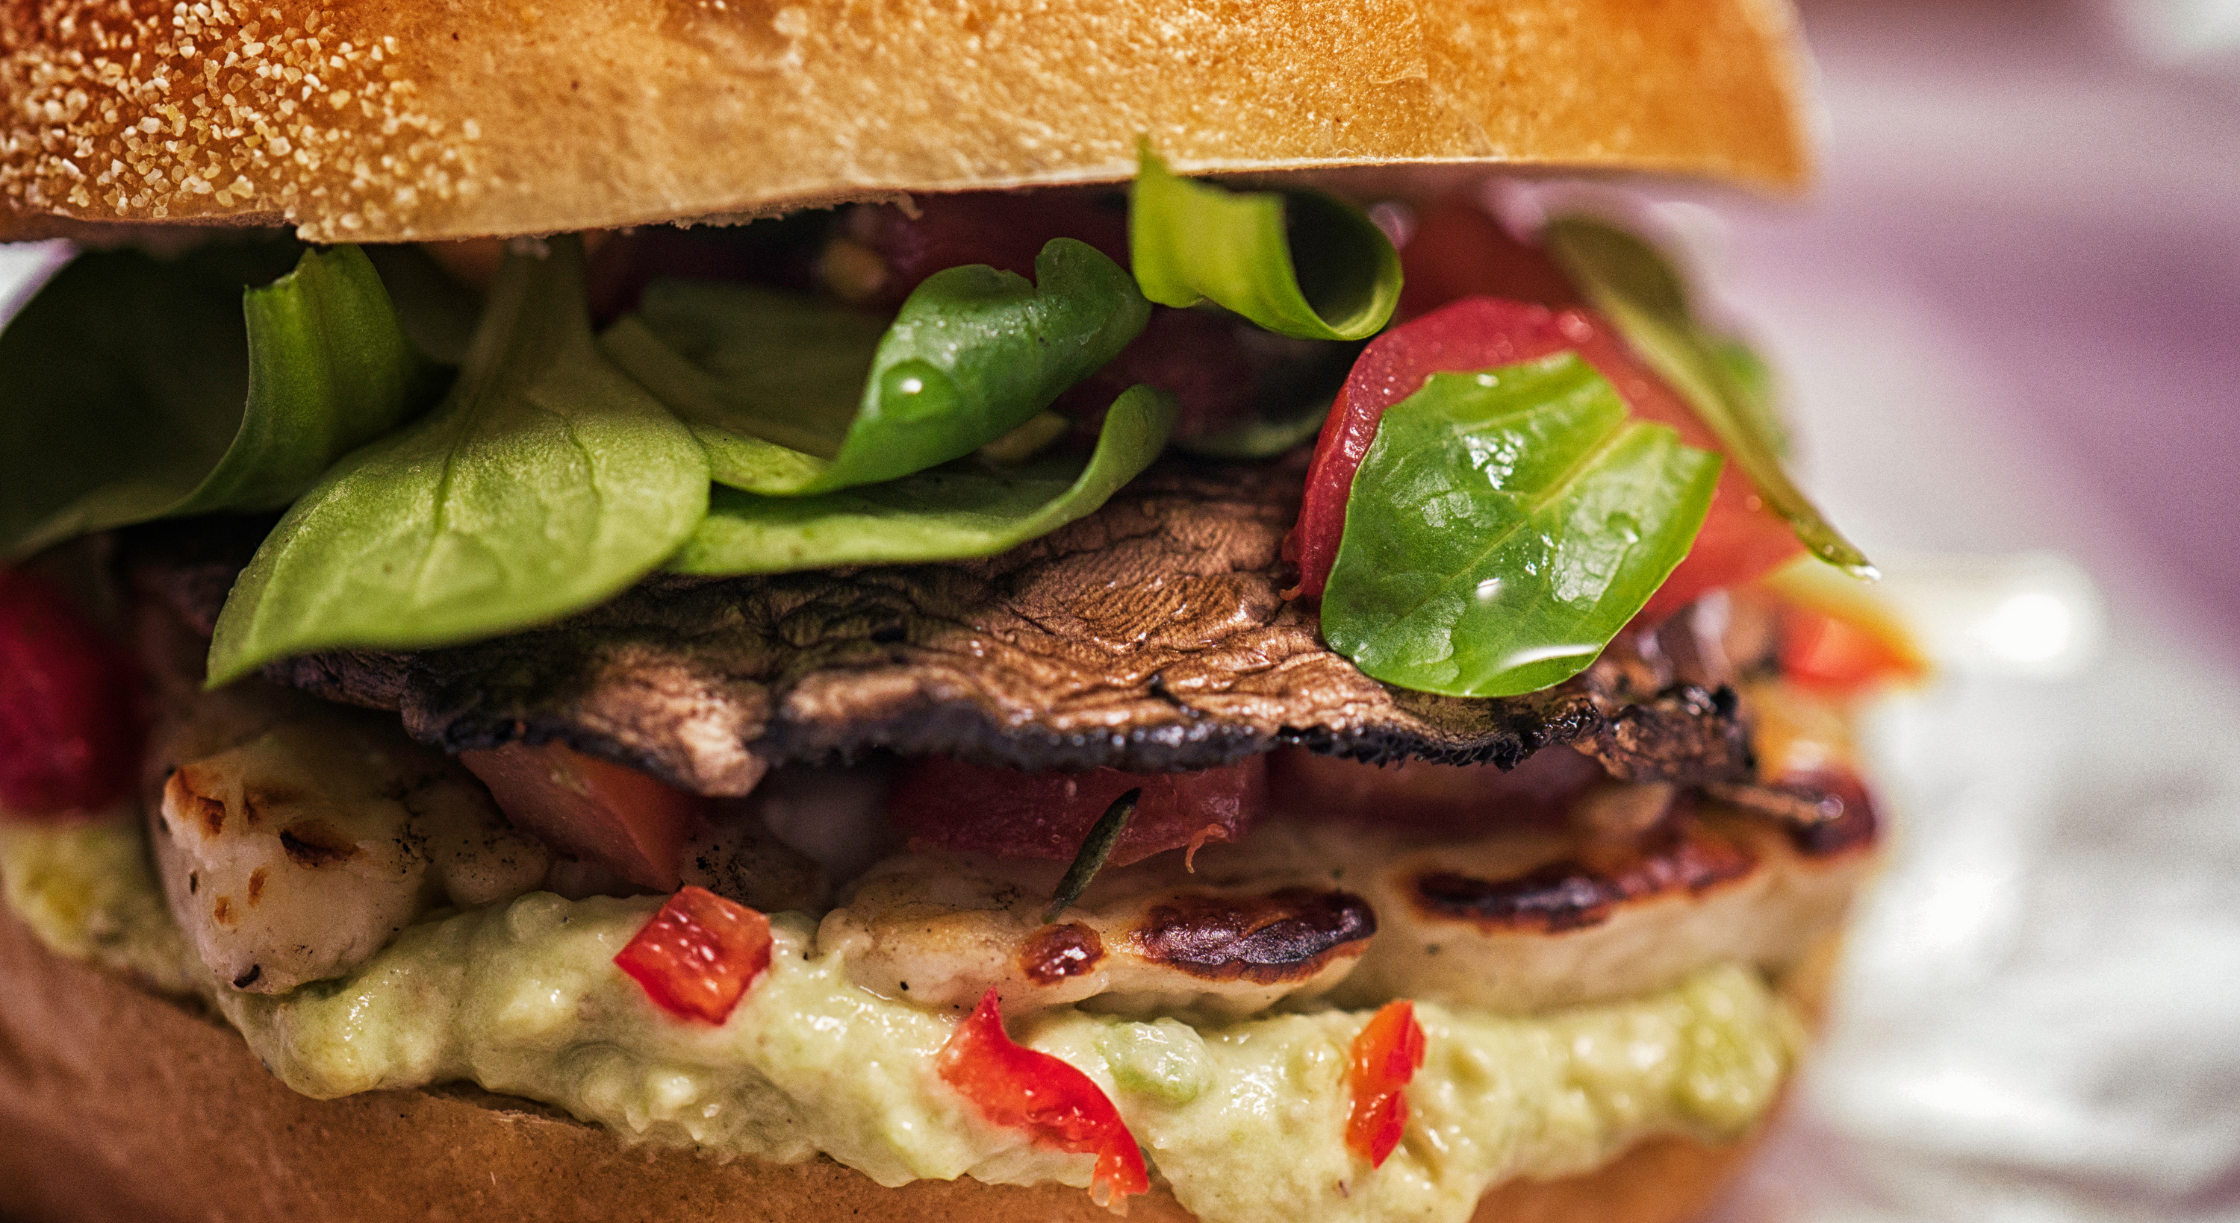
(1741, 539)
(1386, 1056)
(1841, 656)
(1021, 1088)
(698, 955)
(947, 804)
(71, 717)
(593, 809)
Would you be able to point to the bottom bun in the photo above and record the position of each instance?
(118, 1104)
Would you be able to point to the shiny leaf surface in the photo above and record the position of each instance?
(545, 483)
(1504, 526)
(1298, 263)
(956, 511)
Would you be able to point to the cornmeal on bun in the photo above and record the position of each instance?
(913, 611)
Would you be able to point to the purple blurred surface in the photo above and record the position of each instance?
(2010, 320)
(2050, 212)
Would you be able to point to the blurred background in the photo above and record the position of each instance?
(2010, 322)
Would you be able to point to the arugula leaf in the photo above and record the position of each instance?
(546, 482)
(138, 389)
(1298, 263)
(945, 514)
(797, 398)
(1630, 282)
(1504, 526)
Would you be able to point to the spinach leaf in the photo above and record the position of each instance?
(1298, 263)
(944, 514)
(1630, 282)
(139, 389)
(973, 354)
(1504, 526)
(546, 482)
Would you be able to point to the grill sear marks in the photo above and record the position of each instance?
(1574, 893)
(1286, 935)
(312, 844)
(1053, 953)
(1825, 813)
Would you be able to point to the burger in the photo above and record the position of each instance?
(731, 611)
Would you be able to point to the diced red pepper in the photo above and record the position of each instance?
(698, 955)
(593, 809)
(1839, 655)
(71, 714)
(1021, 1088)
(946, 804)
(1386, 1055)
(1741, 539)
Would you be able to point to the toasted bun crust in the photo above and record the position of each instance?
(117, 1104)
(386, 120)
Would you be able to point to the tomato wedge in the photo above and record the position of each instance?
(71, 718)
(1841, 656)
(1386, 1055)
(1024, 1089)
(946, 804)
(698, 955)
(1458, 251)
(592, 809)
(1741, 539)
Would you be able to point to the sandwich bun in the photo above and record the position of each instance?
(405, 120)
(119, 1104)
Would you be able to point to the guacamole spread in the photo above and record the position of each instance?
(1245, 1119)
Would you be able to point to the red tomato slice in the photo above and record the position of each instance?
(1458, 251)
(1741, 539)
(592, 809)
(1426, 797)
(1386, 1055)
(698, 955)
(946, 804)
(1021, 1088)
(1001, 229)
(71, 717)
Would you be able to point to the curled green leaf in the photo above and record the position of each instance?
(1504, 526)
(1095, 849)
(1631, 283)
(797, 398)
(137, 389)
(1298, 263)
(546, 482)
(947, 513)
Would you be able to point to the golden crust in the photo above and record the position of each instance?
(116, 1104)
(384, 120)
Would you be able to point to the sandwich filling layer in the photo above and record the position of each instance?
(1244, 1119)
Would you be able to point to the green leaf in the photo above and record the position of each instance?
(794, 398)
(1298, 263)
(1504, 526)
(545, 483)
(1096, 849)
(139, 389)
(1631, 283)
(945, 514)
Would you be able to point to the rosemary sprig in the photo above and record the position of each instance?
(1095, 848)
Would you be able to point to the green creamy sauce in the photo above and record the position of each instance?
(1244, 1119)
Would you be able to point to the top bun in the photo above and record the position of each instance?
(390, 120)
